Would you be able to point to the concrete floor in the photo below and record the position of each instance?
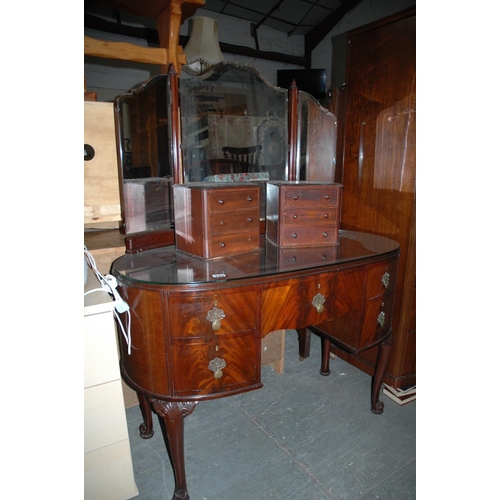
(301, 437)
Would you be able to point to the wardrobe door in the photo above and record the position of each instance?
(378, 167)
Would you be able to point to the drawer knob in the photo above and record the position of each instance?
(381, 318)
(249, 198)
(249, 219)
(296, 197)
(294, 235)
(295, 216)
(216, 365)
(214, 316)
(327, 196)
(221, 202)
(325, 234)
(318, 302)
(222, 244)
(326, 216)
(385, 279)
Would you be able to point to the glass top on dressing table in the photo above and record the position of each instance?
(167, 266)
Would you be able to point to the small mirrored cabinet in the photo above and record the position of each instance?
(227, 125)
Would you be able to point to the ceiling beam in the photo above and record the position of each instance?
(151, 37)
(319, 32)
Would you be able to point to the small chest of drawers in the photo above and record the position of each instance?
(303, 213)
(217, 220)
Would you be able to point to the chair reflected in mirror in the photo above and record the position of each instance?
(246, 159)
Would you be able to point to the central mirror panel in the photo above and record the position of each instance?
(234, 126)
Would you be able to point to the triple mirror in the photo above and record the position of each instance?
(228, 125)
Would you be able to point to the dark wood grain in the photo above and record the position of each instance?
(378, 166)
(199, 341)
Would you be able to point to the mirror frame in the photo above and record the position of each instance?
(321, 168)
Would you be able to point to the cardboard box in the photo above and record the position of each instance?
(101, 185)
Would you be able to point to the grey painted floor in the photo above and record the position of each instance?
(301, 437)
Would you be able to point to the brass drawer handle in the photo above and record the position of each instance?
(385, 279)
(214, 316)
(381, 318)
(318, 301)
(216, 365)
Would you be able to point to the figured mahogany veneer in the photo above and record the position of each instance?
(197, 325)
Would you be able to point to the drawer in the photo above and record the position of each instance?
(381, 278)
(293, 258)
(306, 236)
(192, 315)
(223, 245)
(377, 320)
(197, 362)
(228, 199)
(234, 222)
(296, 196)
(305, 216)
(207, 209)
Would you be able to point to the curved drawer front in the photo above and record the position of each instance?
(194, 314)
(216, 364)
(377, 320)
(381, 278)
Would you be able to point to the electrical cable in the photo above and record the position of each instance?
(109, 285)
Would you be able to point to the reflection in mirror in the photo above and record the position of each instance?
(145, 164)
(234, 124)
(316, 141)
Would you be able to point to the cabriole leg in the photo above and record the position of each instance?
(173, 415)
(384, 355)
(146, 428)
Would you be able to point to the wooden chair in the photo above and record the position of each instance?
(247, 159)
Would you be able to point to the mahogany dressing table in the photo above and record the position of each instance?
(197, 325)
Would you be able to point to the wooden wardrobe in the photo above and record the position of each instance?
(376, 165)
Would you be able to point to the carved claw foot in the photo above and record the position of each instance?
(378, 408)
(144, 433)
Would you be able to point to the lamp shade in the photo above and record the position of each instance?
(202, 50)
